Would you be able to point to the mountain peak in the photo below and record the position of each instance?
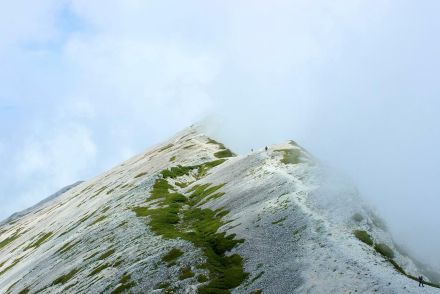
(190, 216)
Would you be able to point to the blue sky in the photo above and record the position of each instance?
(87, 84)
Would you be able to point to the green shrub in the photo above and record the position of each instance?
(364, 237)
(185, 273)
(177, 216)
(357, 217)
(172, 255)
(384, 250)
(224, 153)
(290, 156)
(43, 239)
(65, 278)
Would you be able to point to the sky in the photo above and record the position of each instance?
(86, 84)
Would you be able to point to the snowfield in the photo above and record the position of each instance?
(188, 216)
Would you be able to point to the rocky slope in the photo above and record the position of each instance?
(189, 216)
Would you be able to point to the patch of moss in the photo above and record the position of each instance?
(290, 156)
(14, 263)
(162, 285)
(357, 217)
(364, 237)
(178, 216)
(106, 254)
(220, 145)
(172, 255)
(384, 250)
(173, 158)
(93, 255)
(24, 291)
(65, 278)
(99, 269)
(66, 247)
(43, 239)
(69, 286)
(257, 277)
(10, 239)
(204, 168)
(99, 191)
(125, 283)
(259, 291)
(186, 273)
(202, 278)
(224, 153)
(176, 171)
(166, 147)
(279, 221)
(181, 185)
(140, 175)
(99, 219)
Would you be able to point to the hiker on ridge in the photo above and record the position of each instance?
(421, 281)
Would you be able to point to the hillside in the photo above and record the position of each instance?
(189, 216)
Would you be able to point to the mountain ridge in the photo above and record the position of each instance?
(189, 216)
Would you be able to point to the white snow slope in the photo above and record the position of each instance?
(266, 222)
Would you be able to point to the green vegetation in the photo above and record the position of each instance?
(178, 216)
(364, 237)
(173, 158)
(106, 254)
(24, 291)
(290, 156)
(99, 191)
(279, 221)
(185, 273)
(93, 255)
(204, 168)
(357, 217)
(220, 145)
(10, 239)
(224, 153)
(176, 171)
(10, 266)
(124, 284)
(68, 287)
(166, 147)
(98, 269)
(65, 278)
(257, 277)
(259, 291)
(384, 250)
(99, 219)
(43, 239)
(163, 285)
(140, 175)
(189, 146)
(66, 247)
(202, 278)
(181, 185)
(172, 255)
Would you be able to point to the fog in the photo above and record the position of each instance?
(87, 84)
(363, 98)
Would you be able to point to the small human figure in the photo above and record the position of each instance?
(252, 150)
(421, 281)
(265, 148)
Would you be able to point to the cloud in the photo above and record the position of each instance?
(352, 81)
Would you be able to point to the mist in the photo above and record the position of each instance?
(363, 100)
(85, 85)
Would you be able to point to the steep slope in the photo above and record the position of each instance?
(189, 216)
